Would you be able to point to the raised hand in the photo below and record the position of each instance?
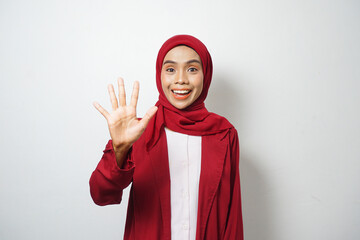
(124, 126)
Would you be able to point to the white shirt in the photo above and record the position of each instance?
(184, 164)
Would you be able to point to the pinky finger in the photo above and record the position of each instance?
(101, 110)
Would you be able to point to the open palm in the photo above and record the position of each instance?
(124, 127)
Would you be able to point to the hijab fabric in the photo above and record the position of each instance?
(194, 119)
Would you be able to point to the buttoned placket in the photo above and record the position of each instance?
(184, 163)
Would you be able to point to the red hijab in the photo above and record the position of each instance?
(194, 119)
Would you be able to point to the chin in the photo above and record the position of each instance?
(180, 105)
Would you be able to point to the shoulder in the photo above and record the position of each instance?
(227, 129)
(231, 130)
(219, 120)
(233, 136)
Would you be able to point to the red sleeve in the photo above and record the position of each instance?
(234, 227)
(108, 180)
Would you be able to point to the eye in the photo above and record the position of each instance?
(170, 69)
(192, 69)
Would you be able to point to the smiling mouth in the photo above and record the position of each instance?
(181, 94)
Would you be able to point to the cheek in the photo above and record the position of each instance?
(199, 82)
(163, 81)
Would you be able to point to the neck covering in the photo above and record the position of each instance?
(194, 119)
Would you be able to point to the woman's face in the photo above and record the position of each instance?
(182, 76)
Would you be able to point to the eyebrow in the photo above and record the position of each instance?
(188, 62)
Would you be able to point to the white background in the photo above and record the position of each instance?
(286, 74)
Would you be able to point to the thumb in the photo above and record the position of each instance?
(148, 115)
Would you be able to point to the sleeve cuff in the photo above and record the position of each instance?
(128, 164)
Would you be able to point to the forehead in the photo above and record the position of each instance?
(181, 53)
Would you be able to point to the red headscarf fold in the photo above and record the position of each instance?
(194, 119)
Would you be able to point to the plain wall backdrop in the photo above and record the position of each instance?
(286, 74)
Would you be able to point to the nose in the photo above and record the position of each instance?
(181, 78)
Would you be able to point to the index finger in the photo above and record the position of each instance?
(135, 94)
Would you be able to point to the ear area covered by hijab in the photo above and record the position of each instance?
(194, 119)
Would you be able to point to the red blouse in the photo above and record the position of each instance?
(148, 217)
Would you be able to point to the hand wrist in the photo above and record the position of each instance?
(122, 147)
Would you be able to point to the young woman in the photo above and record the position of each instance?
(182, 160)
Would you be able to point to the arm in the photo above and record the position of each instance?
(108, 180)
(115, 169)
(234, 227)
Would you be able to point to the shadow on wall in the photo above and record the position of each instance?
(226, 99)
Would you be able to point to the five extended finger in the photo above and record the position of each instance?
(122, 95)
(135, 94)
(114, 102)
(148, 115)
(101, 110)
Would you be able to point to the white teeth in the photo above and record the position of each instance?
(181, 91)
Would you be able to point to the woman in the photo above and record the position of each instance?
(182, 160)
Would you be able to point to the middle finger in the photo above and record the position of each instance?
(122, 95)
